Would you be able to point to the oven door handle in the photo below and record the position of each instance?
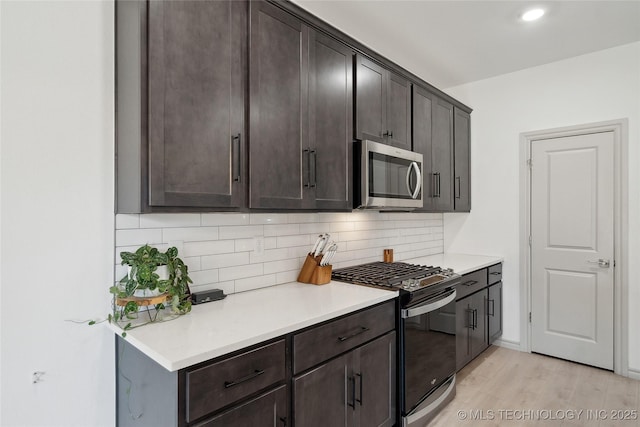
(422, 309)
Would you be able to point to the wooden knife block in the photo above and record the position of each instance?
(312, 272)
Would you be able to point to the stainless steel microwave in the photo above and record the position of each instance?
(390, 177)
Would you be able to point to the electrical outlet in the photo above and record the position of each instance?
(258, 245)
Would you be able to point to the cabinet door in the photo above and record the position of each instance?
(371, 100)
(196, 96)
(422, 108)
(398, 111)
(329, 156)
(442, 154)
(478, 331)
(268, 410)
(464, 322)
(324, 396)
(278, 125)
(376, 382)
(494, 312)
(462, 177)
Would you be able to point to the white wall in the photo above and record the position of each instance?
(591, 88)
(57, 212)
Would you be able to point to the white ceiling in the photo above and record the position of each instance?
(448, 43)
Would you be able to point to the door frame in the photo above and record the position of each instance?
(621, 207)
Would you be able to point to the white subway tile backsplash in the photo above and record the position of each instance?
(240, 272)
(213, 219)
(224, 260)
(138, 237)
(337, 227)
(255, 282)
(270, 255)
(170, 220)
(313, 228)
(193, 262)
(303, 218)
(280, 266)
(287, 276)
(287, 241)
(241, 231)
(281, 230)
(124, 221)
(204, 277)
(212, 247)
(219, 248)
(190, 234)
(268, 219)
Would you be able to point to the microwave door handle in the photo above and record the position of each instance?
(415, 192)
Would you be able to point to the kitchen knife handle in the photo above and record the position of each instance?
(236, 151)
(254, 374)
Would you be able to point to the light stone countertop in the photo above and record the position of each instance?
(247, 318)
(240, 320)
(459, 263)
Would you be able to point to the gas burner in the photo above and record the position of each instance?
(396, 275)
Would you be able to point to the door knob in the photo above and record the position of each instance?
(603, 263)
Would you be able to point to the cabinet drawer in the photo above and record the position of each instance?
(212, 387)
(259, 411)
(471, 283)
(495, 273)
(326, 341)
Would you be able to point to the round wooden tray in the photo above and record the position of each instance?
(143, 301)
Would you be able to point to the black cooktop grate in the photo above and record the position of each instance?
(383, 273)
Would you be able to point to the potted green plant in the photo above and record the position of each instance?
(146, 287)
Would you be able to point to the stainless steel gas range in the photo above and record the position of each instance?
(426, 332)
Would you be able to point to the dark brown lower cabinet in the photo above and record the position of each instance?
(478, 313)
(494, 312)
(274, 383)
(355, 389)
(268, 410)
(471, 335)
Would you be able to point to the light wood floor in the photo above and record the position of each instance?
(509, 388)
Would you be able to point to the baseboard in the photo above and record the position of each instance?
(633, 374)
(511, 345)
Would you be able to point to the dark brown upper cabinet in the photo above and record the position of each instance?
(301, 114)
(433, 137)
(383, 105)
(330, 145)
(180, 105)
(462, 155)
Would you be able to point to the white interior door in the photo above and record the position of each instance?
(572, 231)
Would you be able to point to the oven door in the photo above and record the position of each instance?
(429, 332)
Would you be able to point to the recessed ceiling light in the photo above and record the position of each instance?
(532, 15)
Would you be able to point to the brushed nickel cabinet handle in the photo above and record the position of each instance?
(236, 153)
(362, 330)
(254, 374)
